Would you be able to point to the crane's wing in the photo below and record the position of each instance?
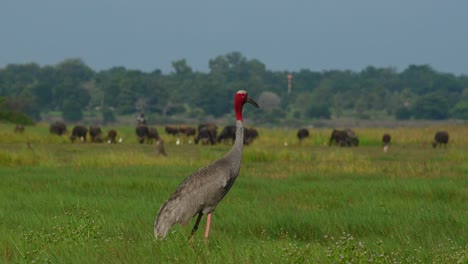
(200, 192)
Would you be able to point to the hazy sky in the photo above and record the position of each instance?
(285, 35)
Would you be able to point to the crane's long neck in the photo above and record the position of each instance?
(239, 141)
(235, 154)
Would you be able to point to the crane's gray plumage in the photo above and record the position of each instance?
(201, 192)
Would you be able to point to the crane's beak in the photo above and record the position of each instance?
(251, 101)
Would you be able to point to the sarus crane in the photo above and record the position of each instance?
(200, 193)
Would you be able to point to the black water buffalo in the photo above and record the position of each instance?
(206, 134)
(249, 135)
(227, 134)
(95, 133)
(58, 128)
(302, 133)
(440, 138)
(79, 132)
(142, 133)
(344, 138)
(19, 129)
(146, 133)
(112, 136)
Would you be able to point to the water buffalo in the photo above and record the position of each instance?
(440, 138)
(187, 130)
(112, 136)
(172, 130)
(58, 128)
(142, 133)
(302, 133)
(344, 138)
(207, 134)
(19, 129)
(95, 133)
(227, 134)
(146, 133)
(386, 138)
(79, 132)
(249, 135)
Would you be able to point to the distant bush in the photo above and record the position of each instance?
(403, 113)
(108, 115)
(17, 118)
(460, 111)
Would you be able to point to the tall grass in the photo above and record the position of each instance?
(300, 203)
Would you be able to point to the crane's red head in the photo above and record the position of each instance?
(240, 99)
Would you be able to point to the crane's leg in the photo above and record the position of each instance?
(195, 227)
(208, 222)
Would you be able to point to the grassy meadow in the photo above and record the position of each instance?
(292, 202)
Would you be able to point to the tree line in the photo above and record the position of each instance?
(73, 88)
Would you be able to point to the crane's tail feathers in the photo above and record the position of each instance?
(161, 229)
(162, 225)
(168, 216)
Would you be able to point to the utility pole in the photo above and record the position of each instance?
(289, 83)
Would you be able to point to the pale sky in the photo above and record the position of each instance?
(285, 35)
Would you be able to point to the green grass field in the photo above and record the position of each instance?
(300, 203)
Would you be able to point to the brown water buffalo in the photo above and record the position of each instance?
(386, 138)
(302, 133)
(79, 132)
(344, 138)
(172, 130)
(440, 138)
(187, 130)
(58, 128)
(112, 136)
(95, 133)
(19, 129)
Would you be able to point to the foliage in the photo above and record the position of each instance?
(460, 110)
(403, 113)
(418, 91)
(108, 115)
(431, 106)
(72, 111)
(6, 114)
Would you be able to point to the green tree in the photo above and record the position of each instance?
(108, 115)
(431, 106)
(460, 110)
(71, 111)
(403, 113)
(181, 68)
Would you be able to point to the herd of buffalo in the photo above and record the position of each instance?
(347, 138)
(207, 134)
